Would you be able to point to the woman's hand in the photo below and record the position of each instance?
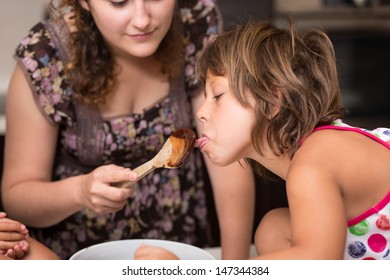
(146, 252)
(13, 237)
(98, 194)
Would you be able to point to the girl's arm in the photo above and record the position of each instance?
(318, 219)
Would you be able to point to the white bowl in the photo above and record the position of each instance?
(125, 249)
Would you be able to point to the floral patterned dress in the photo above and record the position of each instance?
(168, 203)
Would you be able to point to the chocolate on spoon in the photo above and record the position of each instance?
(173, 154)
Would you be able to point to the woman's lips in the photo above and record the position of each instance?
(201, 142)
(141, 36)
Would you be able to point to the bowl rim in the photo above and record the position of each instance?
(153, 242)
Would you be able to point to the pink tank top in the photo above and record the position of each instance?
(368, 234)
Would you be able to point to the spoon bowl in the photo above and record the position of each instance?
(173, 154)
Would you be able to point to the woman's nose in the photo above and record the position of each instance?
(141, 16)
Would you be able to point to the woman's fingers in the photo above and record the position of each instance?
(99, 195)
(113, 173)
(102, 205)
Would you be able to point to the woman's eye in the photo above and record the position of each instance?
(119, 3)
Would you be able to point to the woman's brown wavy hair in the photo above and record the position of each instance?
(91, 69)
(280, 68)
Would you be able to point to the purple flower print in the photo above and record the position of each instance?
(121, 225)
(208, 3)
(81, 235)
(167, 225)
(42, 100)
(168, 130)
(57, 118)
(30, 64)
(56, 98)
(143, 124)
(158, 128)
(190, 70)
(54, 70)
(25, 41)
(201, 213)
(71, 141)
(46, 85)
(190, 49)
(113, 147)
(109, 139)
(37, 75)
(119, 127)
(153, 234)
(167, 190)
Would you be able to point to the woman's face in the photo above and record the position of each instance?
(132, 27)
(227, 125)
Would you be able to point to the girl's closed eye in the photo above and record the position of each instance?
(217, 97)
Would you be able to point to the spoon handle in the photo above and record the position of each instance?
(141, 171)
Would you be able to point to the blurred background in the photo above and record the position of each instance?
(359, 30)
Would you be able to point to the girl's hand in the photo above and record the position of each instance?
(13, 235)
(97, 193)
(18, 251)
(146, 252)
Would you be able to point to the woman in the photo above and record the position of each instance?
(96, 93)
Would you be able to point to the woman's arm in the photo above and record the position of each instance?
(30, 144)
(234, 194)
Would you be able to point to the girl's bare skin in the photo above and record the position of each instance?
(15, 242)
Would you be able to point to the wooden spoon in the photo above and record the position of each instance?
(172, 155)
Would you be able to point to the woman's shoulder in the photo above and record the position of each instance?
(36, 37)
(44, 38)
(202, 21)
(41, 57)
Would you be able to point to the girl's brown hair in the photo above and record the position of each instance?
(92, 68)
(294, 73)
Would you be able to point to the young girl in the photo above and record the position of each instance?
(273, 99)
(96, 92)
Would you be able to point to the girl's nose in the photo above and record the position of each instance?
(201, 114)
(141, 17)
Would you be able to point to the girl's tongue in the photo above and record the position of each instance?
(200, 141)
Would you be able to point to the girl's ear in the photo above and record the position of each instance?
(84, 4)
